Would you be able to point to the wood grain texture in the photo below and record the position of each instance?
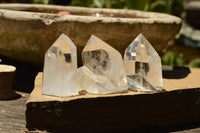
(12, 115)
(12, 119)
(12, 112)
(119, 112)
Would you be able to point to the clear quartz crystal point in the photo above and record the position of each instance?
(60, 69)
(104, 60)
(93, 83)
(143, 65)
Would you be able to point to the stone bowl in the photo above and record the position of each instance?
(28, 30)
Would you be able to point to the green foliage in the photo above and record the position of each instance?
(40, 1)
(128, 4)
(195, 63)
(177, 7)
(174, 7)
(168, 59)
(172, 59)
(84, 3)
(179, 60)
(137, 4)
(160, 6)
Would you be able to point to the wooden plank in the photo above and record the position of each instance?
(113, 112)
(181, 78)
(12, 115)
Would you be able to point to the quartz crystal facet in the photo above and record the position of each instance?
(102, 59)
(93, 83)
(143, 65)
(60, 69)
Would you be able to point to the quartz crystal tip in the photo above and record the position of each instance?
(142, 61)
(102, 59)
(60, 68)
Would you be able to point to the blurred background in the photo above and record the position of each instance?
(183, 50)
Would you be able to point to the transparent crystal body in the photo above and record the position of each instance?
(60, 69)
(104, 60)
(143, 65)
(93, 83)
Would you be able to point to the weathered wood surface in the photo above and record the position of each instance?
(179, 104)
(12, 112)
(12, 115)
(12, 118)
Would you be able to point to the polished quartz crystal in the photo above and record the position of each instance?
(102, 59)
(60, 69)
(93, 83)
(143, 65)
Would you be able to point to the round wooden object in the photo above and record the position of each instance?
(7, 73)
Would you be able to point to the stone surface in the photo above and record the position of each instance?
(104, 60)
(119, 112)
(93, 83)
(60, 68)
(143, 65)
(42, 29)
(7, 73)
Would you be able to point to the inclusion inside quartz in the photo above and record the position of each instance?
(103, 63)
(60, 69)
(143, 65)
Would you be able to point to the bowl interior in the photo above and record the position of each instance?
(71, 11)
